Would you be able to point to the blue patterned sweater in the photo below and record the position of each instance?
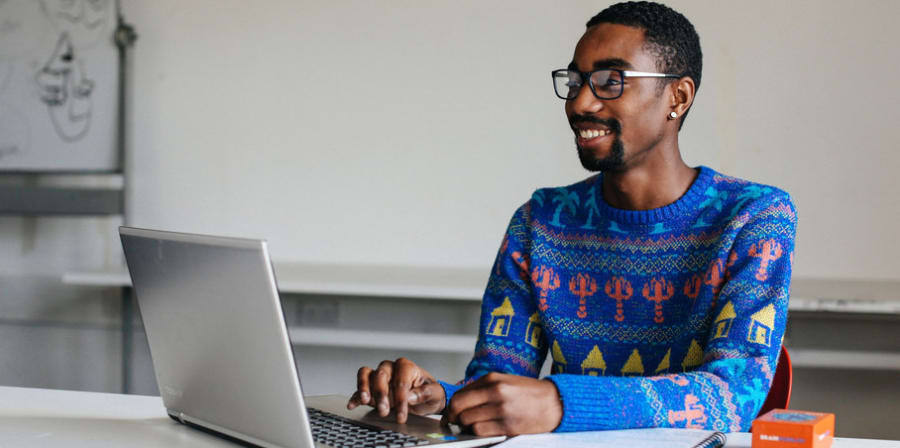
(671, 317)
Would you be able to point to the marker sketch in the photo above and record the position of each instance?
(58, 85)
(64, 87)
(84, 20)
(14, 133)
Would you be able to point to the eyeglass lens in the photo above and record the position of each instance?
(607, 84)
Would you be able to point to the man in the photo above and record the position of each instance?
(660, 290)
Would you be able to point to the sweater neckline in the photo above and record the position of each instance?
(683, 206)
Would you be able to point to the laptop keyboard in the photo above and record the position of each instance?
(341, 432)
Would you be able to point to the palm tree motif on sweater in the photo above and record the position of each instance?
(659, 228)
(767, 251)
(567, 200)
(714, 198)
(748, 193)
(591, 206)
(583, 286)
(618, 289)
(538, 197)
(614, 227)
(546, 280)
(658, 290)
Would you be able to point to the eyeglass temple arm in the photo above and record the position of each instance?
(628, 73)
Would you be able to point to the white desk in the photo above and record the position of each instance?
(57, 418)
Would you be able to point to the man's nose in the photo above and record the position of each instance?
(586, 102)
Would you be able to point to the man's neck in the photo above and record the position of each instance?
(656, 182)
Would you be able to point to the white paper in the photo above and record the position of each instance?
(645, 438)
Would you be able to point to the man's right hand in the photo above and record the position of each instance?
(398, 385)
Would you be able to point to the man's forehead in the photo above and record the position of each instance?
(610, 45)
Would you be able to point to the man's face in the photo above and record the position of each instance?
(630, 126)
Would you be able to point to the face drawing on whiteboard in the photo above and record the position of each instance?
(63, 86)
(84, 20)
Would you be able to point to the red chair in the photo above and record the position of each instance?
(780, 393)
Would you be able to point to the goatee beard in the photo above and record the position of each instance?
(614, 162)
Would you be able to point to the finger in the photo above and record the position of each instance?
(353, 402)
(483, 413)
(379, 382)
(362, 385)
(489, 428)
(406, 374)
(427, 399)
(425, 393)
(473, 395)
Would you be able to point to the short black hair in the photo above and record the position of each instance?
(669, 35)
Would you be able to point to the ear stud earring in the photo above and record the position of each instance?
(672, 115)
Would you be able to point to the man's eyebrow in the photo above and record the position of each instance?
(612, 63)
(605, 63)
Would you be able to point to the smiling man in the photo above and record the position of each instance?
(660, 290)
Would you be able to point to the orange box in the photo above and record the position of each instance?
(783, 428)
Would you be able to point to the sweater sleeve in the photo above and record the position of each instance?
(510, 337)
(726, 391)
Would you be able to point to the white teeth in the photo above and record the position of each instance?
(592, 133)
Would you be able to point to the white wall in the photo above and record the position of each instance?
(406, 132)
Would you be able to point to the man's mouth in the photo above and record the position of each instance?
(588, 134)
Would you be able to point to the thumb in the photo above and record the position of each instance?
(427, 398)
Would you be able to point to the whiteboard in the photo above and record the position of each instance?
(58, 85)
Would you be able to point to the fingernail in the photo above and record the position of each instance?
(401, 417)
(383, 409)
(364, 396)
(413, 398)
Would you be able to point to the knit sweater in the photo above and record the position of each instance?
(670, 317)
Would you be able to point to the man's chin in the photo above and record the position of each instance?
(610, 163)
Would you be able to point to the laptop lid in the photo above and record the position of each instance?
(217, 334)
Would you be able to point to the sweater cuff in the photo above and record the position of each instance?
(449, 390)
(600, 403)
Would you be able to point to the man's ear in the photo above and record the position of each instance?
(682, 94)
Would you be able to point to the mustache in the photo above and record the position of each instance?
(611, 123)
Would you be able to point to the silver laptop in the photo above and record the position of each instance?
(223, 357)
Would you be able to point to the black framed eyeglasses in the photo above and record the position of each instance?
(605, 84)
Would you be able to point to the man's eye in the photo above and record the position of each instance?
(612, 82)
(573, 84)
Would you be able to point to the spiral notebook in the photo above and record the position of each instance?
(645, 438)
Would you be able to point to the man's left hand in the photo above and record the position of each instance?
(501, 404)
